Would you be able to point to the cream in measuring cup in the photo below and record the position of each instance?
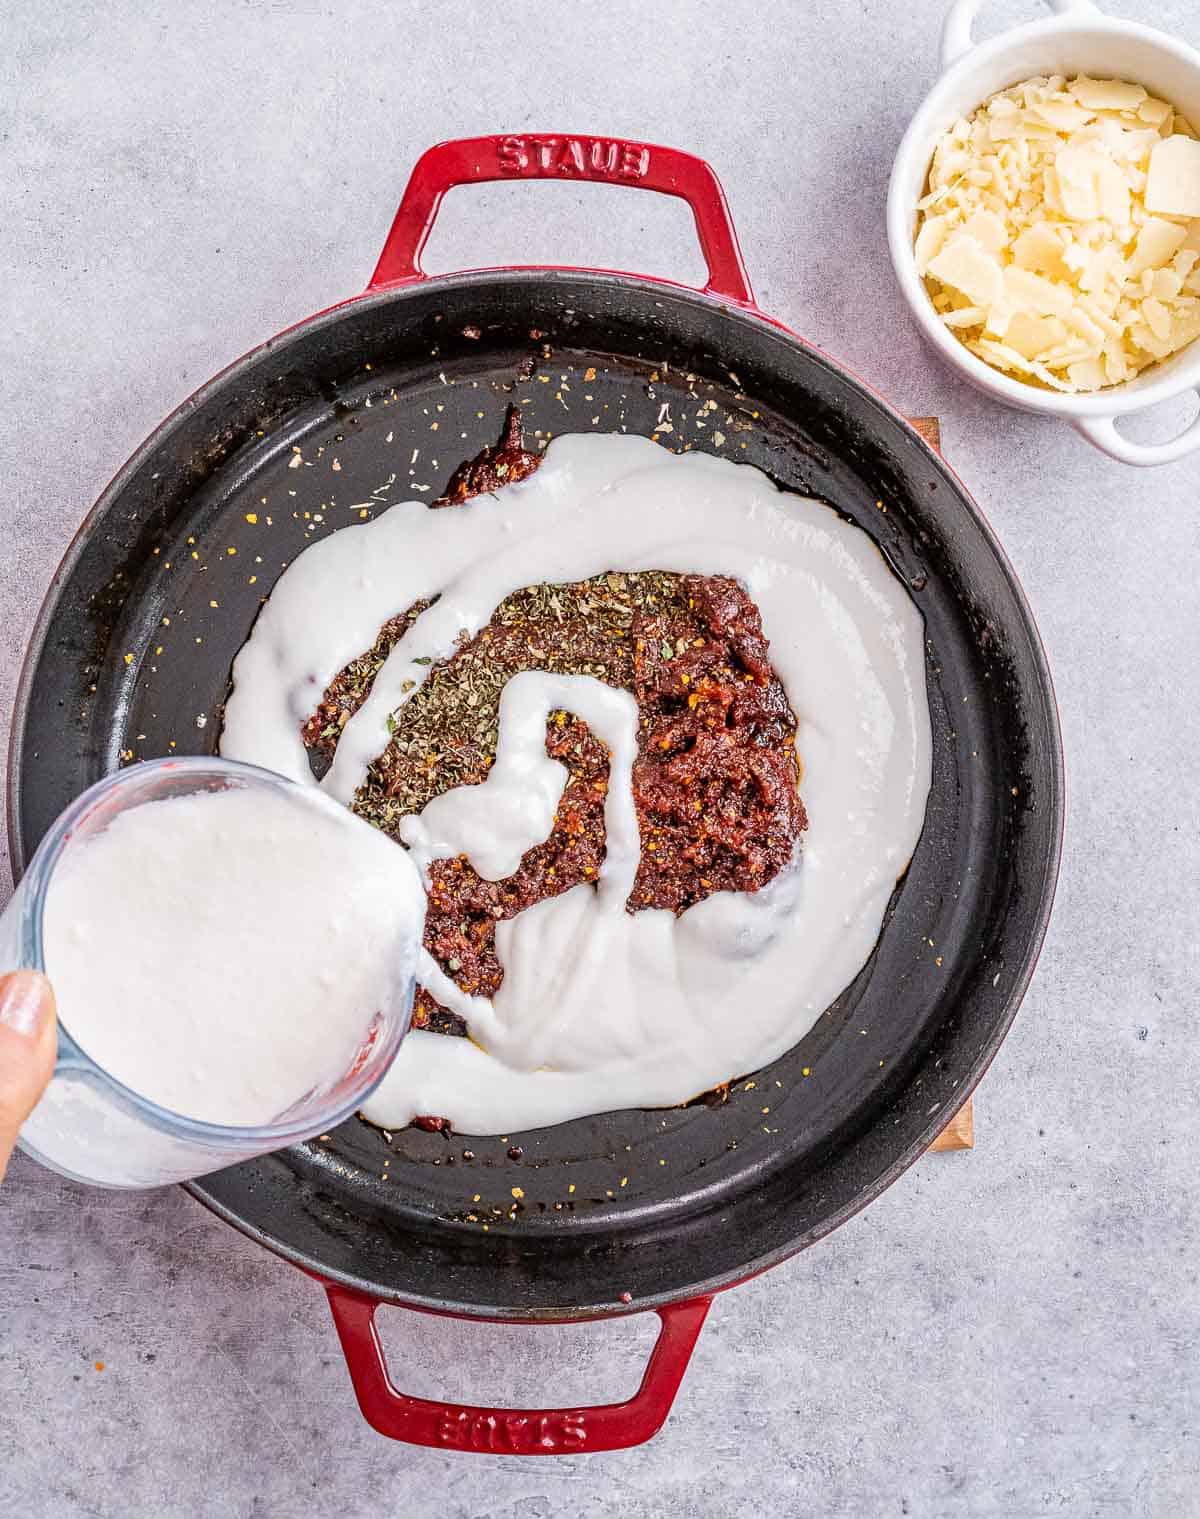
(233, 964)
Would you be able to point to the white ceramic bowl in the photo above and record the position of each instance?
(1079, 38)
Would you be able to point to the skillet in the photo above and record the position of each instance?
(130, 658)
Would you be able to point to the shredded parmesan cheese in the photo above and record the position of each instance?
(1060, 235)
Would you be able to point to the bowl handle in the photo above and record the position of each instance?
(956, 31)
(513, 1431)
(538, 155)
(1102, 432)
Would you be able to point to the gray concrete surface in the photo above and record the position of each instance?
(1009, 1333)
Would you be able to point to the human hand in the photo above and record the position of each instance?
(28, 1045)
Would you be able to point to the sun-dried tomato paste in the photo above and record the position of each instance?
(714, 783)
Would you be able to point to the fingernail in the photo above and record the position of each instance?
(26, 1002)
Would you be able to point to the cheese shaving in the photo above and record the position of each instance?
(1060, 233)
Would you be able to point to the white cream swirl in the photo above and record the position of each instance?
(600, 1009)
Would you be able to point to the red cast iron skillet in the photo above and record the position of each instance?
(629, 1210)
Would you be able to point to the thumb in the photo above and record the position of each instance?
(28, 1043)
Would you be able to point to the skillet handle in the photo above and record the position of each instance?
(513, 1431)
(538, 155)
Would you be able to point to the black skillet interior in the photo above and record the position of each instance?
(388, 396)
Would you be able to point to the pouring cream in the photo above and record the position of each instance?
(225, 953)
(602, 1009)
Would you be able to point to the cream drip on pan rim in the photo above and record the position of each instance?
(600, 1009)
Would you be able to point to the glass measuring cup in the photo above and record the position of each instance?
(91, 1127)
